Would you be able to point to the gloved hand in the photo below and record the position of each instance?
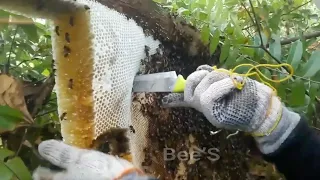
(254, 109)
(82, 164)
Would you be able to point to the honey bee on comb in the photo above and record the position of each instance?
(113, 141)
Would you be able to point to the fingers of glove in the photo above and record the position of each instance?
(192, 82)
(205, 67)
(212, 98)
(216, 91)
(174, 100)
(209, 79)
(42, 173)
(66, 156)
(59, 153)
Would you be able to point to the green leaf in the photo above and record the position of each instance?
(274, 22)
(31, 31)
(295, 54)
(27, 47)
(183, 11)
(312, 66)
(281, 90)
(224, 51)
(275, 46)
(316, 27)
(297, 93)
(233, 54)
(231, 3)
(46, 72)
(310, 112)
(258, 52)
(12, 167)
(237, 29)
(313, 91)
(205, 34)
(217, 13)
(8, 111)
(248, 51)
(214, 41)
(203, 15)
(210, 6)
(229, 29)
(5, 17)
(267, 73)
(9, 117)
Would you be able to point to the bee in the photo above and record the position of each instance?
(146, 50)
(66, 51)
(70, 84)
(67, 37)
(132, 129)
(113, 141)
(63, 115)
(56, 29)
(86, 7)
(52, 66)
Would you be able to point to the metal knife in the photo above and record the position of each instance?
(159, 82)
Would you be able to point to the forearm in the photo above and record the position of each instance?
(298, 156)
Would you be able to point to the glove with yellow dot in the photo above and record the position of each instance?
(83, 164)
(254, 108)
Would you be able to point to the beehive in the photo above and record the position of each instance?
(97, 52)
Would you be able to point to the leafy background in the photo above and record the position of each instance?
(254, 32)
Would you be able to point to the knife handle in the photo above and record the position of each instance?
(179, 85)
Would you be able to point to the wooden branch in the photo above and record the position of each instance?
(161, 25)
(262, 46)
(306, 36)
(297, 8)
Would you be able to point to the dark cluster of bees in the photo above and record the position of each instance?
(170, 128)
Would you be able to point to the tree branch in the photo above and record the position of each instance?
(306, 36)
(264, 47)
(250, 46)
(255, 22)
(297, 8)
(45, 113)
(289, 40)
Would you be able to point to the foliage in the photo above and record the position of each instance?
(26, 47)
(12, 166)
(286, 32)
(9, 117)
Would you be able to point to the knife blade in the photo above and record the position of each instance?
(159, 82)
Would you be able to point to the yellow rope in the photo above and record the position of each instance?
(258, 73)
(272, 128)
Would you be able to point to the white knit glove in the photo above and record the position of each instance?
(254, 109)
(82, 164)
